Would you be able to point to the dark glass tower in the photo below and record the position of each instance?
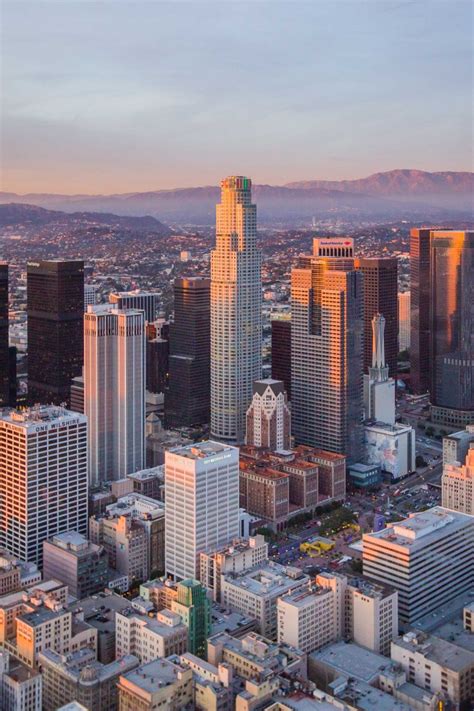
(157, 356)
(281, 352)
(187, 399)
(380, 297)
(4, 353)
(420, 310)
(55, 292)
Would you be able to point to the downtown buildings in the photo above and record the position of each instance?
(114, 380)
(236, 305)
(268, 417)
(55, 291)
(4, 352)
(327, 349)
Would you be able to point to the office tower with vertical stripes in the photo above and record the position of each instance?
(327, 301)
(420, 309)
(4, 352)
(114, 391)
(55, 292)
(236, 305)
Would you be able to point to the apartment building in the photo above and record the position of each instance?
(148, 638)
(237, 557)
(20, 686)
(160, 684)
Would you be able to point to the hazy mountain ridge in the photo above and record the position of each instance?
(414, 192)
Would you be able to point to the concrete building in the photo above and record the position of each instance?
(90, 295)
(15, 604)
(364, 476)
(137, 300)
(159, 684)
(379, 389)
(327, 349)
(160, 592)
(268, 417)
(457, 485)
(20, 686)
(148, 638)
(404, 321)
(436, 665)
(416, 556)
(380, 297)
(15, 574)
(265, 493)
(80, 677)
(99, 611)
(55, 295)
(79, 564)
(114, 388)
(4, 340)
(41, 449)
(126, 544)
(212, 685)
(202, 504)
(254, 593)
(255, 657)
(456, 445)
(239, 556)
(236, 307)
(392, 447)
(149, 482)
(148, 514)
(306, 618)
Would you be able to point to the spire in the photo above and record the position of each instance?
(379, 369)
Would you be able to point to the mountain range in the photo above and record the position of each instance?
(396, 193)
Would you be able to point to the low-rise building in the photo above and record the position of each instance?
(456, 445)
(254, 593)
(436, 665)
(126, 543)
(15, 604)
(16, 574)
(20, 686)
(160, 684)
(80, 677)
(148, 638)
(149, 482)
(239, 556)
(457, 485)
(78, 563)
(160, 592)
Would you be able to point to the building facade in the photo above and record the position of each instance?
(187, 399)
(194, 608)
(236, 305)
(420, 309)
(43, 478)
(327, 349)
(137, 301)
(148, 638)
(114, 386)
(237, 557)
(202, 504)
(281, 350)
(457, 485)
(269, 417)
(404, 321)
(380, 297)
(79, 564)
(55, 294)
(4, 342)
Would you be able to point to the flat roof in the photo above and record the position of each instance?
(271, 579)
(352, 660)
(32, 417)
(202, 450)
(437, 650)
(154, 675)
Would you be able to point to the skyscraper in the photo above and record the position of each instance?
(452, 327)
(4, 353)
(281, 350)
(404, 319)
(55, 291)
(138, 300)
(327, 349)
(379, 389)
(43, 478)
(157, 357)
(268, 417)
(202, 504)
(114, 388)
(188, 394)
(420, 309)
(380, 297)
(236, 304)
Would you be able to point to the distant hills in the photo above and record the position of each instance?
(29, 216)
(396, 193)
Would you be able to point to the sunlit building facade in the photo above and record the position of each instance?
(236, 296)
(404, 321)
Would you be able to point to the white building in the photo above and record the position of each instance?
(236, 305)
(457, 485)
(237, 557)
(254, 593)
(202, 504)
(391, 446)
(43, 478)
(20, 687)
(404, 321)
(149, 638)
(114, 398)
(137, 300)
(268, 417)
(306, 618)
(379, 389)
(418, 555)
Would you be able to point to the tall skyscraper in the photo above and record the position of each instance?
(114, 391)
(55, 291)
(281, 351)
(202, 504)
(236, 305)
(4, 354)
(452, 327)
(420, 309)
(187, 398)
(379, 389)
(138, 300)
(404, 321)
(380, 297)
(43, 478)
(327, 349)
(268, 417)
(157, 357)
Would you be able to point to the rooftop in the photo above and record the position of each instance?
(83, 666)
(155, 675)
(99, 610)
(437, 650)
(270, 579)
(352, 660)
(32, 417)
(145, 474)
(203, 450)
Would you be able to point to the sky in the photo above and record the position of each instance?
(118, 96)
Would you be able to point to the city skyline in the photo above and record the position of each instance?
(136, 105)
